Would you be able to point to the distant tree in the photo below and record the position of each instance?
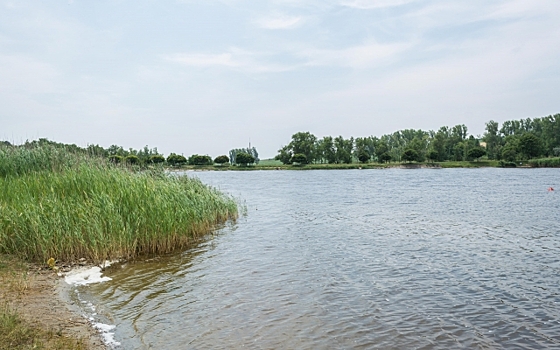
(409, 155)
(556, 151)
(221, 160)
(476, 153)
(131, 159)
(156, 159)
(509, 153)
(299, 158)
(284, 155)
(116, 159)
(250, 151)
(529, 145)
(197, 159)
(384, 157)
(432, 155)
(176, 159)
(244, 159)
(363, 156)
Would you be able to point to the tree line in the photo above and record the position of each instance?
(515, 140)
(146, 156)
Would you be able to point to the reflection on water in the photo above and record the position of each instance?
(388, 259)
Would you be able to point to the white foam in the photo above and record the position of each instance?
(108, 336)
(85, 276)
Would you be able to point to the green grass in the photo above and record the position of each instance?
(470, 164)
(545, 163)
(70, 207)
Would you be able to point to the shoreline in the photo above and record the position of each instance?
(41, 299)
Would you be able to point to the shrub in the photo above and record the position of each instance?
(132, 159)
(156, 159)
(115, 159)
(409, 155)
(176, 160)
(197, 159)
(244, 158)
(221, 159)
(299, 158)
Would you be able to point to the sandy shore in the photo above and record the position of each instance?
(42, 300)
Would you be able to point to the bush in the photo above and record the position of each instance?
(221, 159)
(409, 155)
(115, 159)
(132, 159)
(545, 163)
(363, 156)
(299, 158)
(384, 157)
(176, 160)
(156, 159)
(197, 159)
(244, 159)
(476, 153)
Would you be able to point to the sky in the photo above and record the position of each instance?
(206, 76)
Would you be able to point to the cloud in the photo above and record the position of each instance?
(374, 4)
(203, 60)
(235, 59)
(358, 57)
(280, 22)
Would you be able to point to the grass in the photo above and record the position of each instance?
(15, 332)
(545, 163)
(67, 206)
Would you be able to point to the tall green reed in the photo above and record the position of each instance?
(55, 204)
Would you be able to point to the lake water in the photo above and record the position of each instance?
(356, 259)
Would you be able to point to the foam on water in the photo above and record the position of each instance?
(86, 276)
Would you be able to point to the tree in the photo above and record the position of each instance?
(363, 156)
(251, 151)
(433, 155)
(325, 147)
(409, 155)
(131, 159)
(244, 159)
(476, 152)
(384, 157)
(529, 145)
(156, 159)
(509, 153)
(221, 160)
(284, 155)
(493, 139)
(343, 149)
(176, 159)
(304, 143)
(197, 159)
(116, 159)
(299, 158)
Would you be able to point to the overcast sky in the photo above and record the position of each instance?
(206, 76)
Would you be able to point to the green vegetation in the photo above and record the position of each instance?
(197, 159)
(244, 158)
(65, 205)
(221, 160)
(252, 151)
(514, 141)
(15, 332)
(545, 163)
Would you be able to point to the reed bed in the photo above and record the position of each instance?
(545, 163)
(70, 206)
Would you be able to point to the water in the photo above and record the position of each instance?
(356, 259)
